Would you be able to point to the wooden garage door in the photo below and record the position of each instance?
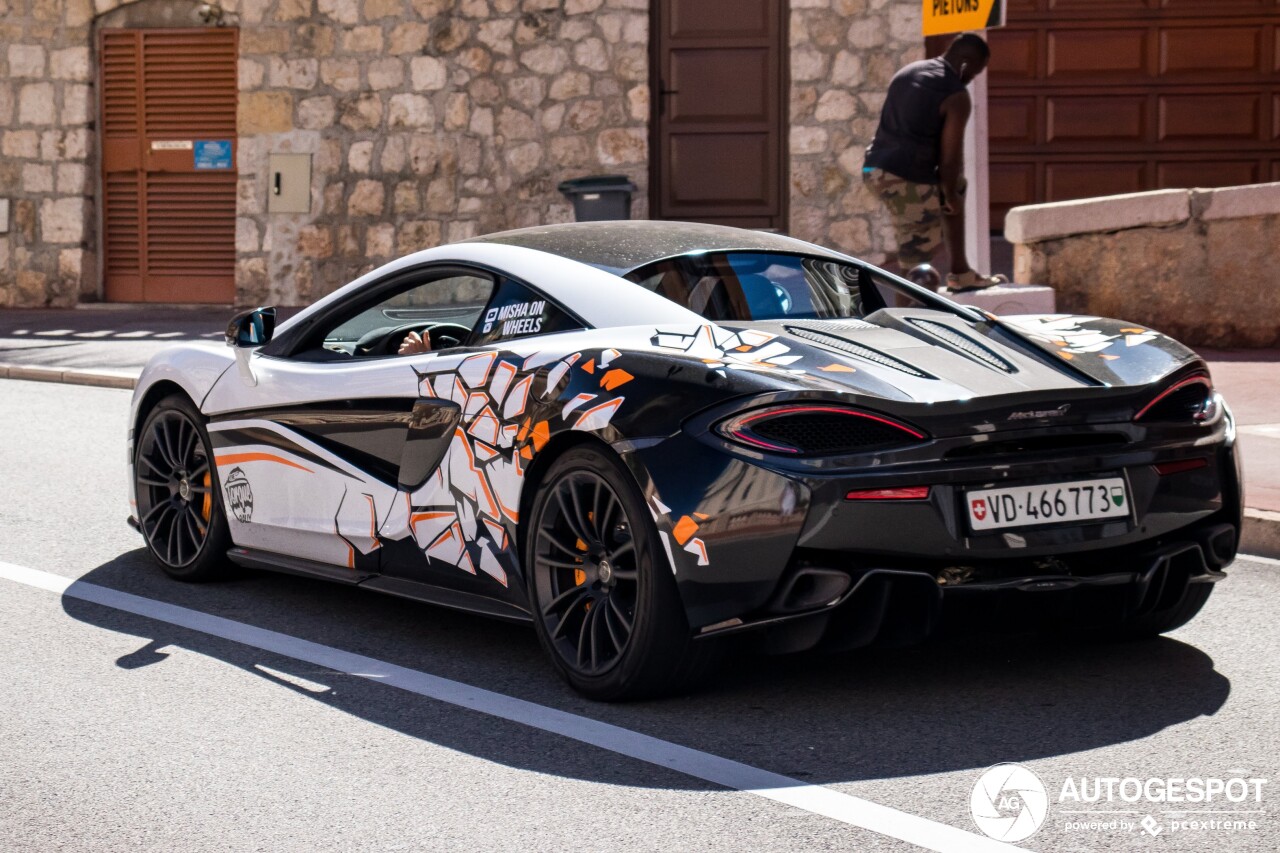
(1097, 97)
(719, 150)
(168, 164)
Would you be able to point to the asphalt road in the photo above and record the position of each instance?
(121, 731)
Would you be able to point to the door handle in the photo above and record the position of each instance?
(275, 184)
(663, 91)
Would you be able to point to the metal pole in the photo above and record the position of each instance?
(977, 205)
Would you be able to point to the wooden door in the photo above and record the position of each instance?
(719, 148)
(168, 164)
(1098, 97)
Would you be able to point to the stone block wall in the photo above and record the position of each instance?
(46, 151)
(427, 121)
(1199, 265)
(843, 55)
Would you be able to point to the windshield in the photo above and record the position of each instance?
(769, 286)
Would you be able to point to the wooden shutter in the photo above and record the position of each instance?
(169, 227)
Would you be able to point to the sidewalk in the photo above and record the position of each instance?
(108, 345)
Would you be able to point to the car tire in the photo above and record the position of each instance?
(605, 602)
(1171, 618)
(180, 512)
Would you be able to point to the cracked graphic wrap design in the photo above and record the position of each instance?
(1072, 337)
(467, 510)
(682, 531)
(356, 524)
(721, 349)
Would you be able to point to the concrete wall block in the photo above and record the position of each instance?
(1237, 202)
(1208, 280)
(26, 60)
(1241, 258)
(1038, 222)
(70, 63)
(36, 104)
(62, 220)
(37, 178)
(265, 112)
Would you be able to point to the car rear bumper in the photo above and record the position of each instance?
(894, 605)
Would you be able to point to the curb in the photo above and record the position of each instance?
(1261, 534)
(69, 376)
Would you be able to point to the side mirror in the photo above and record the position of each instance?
(251, 328)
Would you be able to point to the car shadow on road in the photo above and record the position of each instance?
(963, 704)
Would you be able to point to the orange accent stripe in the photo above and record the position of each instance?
(237, 458)
(427, 516)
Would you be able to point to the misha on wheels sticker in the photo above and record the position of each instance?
(1009, 803)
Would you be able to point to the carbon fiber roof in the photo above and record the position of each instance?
(619, 247)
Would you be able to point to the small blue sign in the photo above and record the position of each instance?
(213, 153)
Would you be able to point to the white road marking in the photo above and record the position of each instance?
(815, 799)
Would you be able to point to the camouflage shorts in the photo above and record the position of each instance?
(917, 214)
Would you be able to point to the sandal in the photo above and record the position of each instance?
(970, 280)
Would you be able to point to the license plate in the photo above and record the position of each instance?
(1048, 503)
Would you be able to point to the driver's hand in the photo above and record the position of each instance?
(414, 343)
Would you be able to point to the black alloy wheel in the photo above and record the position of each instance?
(585, 561)
(606, 606)
(175, 484)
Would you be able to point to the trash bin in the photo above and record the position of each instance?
(599, 198)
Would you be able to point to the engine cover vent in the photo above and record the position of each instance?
(859, 350)
(965, 344)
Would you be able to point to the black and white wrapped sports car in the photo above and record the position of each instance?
(642, 437)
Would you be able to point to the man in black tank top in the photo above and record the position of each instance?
(915, 163)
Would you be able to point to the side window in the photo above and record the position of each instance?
(517, 311)
(443, 308)
(879, 291)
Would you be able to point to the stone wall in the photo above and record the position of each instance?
(843, 54)
(46, 152)
(1199, 265)
(427, 120)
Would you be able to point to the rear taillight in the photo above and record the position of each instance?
(1189, 400)
(817, 430)
(905, 493)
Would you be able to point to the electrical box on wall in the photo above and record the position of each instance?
(289, 183)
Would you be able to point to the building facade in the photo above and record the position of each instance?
(142, 141)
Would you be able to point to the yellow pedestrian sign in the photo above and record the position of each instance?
(956, 16)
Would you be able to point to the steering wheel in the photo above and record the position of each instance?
(387, 340)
